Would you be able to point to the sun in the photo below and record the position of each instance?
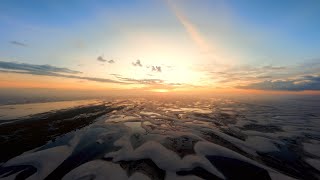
(160, 90)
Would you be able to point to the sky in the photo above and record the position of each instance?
(161, 45)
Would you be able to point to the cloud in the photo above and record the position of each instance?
(190, 28)
(137, 63)
(35, 68)
(269, 67)
(308, 82)
(48, 70)
(208, 49)
(17, 43)
(244, 74)
(269, 77)
(175, 84)
(152, 83)
(156, 68)
(138, 81)
(100, 58)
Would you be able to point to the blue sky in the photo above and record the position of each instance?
(182, 36)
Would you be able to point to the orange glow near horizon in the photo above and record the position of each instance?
(160, 90)
(11, 80)
(32, 81)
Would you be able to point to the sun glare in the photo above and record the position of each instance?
(160, 90)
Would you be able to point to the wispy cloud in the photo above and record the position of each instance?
(101, 59)
(311, 82)
(48, 70)
(17, 43)
(291, 78)
(138, 81)
(209, 50)
(35, 68)
(137, 63)
(156, 68)
(192, 31)
(152, 83)
(242, 75)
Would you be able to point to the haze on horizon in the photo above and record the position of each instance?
(161, 45)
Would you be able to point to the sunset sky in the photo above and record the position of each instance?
(161, 45)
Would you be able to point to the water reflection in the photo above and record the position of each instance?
(209, 139)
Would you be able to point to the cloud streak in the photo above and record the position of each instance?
(152, 83)
(311, 82)
(192, 31)
(101, 59)
(210, 51)
(138, 81)
(48, 70)
(17, 43)
(289, 78)
(53, 71)
(35, 68)
(241, 75)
